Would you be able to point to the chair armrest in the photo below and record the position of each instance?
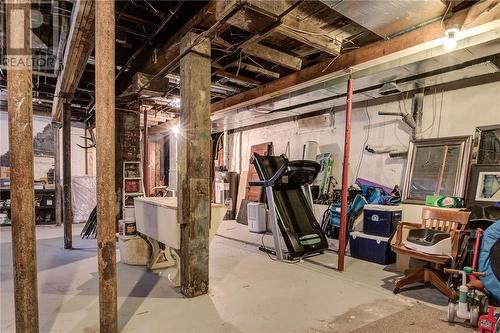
(399, 230)
(411, 225)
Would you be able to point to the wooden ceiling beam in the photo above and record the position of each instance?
(236, 78)
(274, 56)
(365, 56)
(170, 50)
(255, 69)
(308, 34)
(265, 13)
(163, 128)
(79, 46)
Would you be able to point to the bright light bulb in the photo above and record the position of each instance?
(451, 39)
(450, 44)
(176, 129)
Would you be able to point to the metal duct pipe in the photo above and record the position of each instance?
(390, 113)
(393, 150)
(398, 154)
(406, 117)
(417, 113)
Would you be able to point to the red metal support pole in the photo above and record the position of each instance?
(146, 174)
(345, 177)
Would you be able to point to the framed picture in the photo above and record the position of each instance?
(486, 146)
(488, 187)
(436, 167)
(484, 185)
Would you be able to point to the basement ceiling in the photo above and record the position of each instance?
(254, 42)
(474, 61)
(390, 18)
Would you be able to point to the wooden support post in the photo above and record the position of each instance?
(19, 89)
(57, 172)
(345, 178)
(66, 145)
(194, 165)
(146, 174)
(89, 154)
(105, 126)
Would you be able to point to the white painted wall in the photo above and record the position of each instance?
(451, 113)
(172, 168)
(43, 164)
(77, 153)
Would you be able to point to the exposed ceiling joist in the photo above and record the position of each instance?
(418, 40)
(309, 35)
(274, 56)
(481, 13)
(236, 78)
(163, 128)
(266, 13)
(79, 46)
(171, 49)
(255, 69)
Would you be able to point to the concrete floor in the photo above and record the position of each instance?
(248, 291)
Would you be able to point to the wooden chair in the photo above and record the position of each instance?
(454, 222)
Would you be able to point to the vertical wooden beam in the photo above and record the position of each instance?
(19, 88)
(146, 174)
(57, 172)
(194, 164)
(105, 125)
(67, 208)
(345, 178)
(89, 154)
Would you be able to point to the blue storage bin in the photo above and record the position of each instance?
(371, 248)
(381, 220)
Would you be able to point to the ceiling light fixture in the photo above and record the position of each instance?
(176, 129)
(450, 42)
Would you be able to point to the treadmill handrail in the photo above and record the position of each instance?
(271, 181)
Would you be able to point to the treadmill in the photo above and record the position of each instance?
(290, 205)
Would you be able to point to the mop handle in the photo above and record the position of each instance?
(452, 271)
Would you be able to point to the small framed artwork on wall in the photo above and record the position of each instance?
(484, 185)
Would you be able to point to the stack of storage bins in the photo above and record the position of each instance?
(372, 244)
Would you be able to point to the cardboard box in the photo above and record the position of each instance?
(4, 172)
(127, 228)
(444, 201)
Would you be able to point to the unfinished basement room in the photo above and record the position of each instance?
(250, 166)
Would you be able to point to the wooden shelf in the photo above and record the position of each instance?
(40, 211)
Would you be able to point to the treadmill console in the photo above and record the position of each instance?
(298, 174)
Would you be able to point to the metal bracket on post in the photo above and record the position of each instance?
(274, 223)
